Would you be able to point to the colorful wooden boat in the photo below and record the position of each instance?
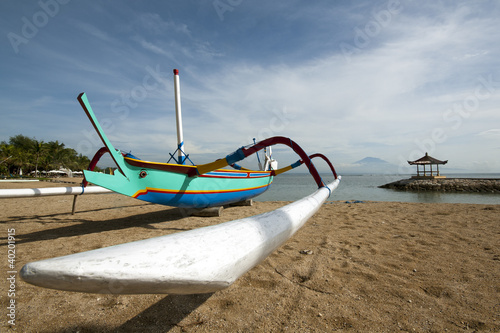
(178, 185)
(189, 186)
(196, 261)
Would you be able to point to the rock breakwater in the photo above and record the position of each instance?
(465, 185)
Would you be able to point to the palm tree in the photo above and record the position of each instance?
(21, 152)
(38, 151)
(56, 153)
(83, 162)
(6, 154)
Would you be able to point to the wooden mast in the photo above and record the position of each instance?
(181, 158)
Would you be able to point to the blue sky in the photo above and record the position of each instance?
(389, 79)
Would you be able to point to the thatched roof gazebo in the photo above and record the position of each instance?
(427, 160)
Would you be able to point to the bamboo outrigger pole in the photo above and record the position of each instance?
(181, 159)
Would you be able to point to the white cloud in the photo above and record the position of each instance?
(271, 69)
(493, 134)
(153, 23)
(92, 30)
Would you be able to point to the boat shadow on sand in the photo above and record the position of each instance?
(164, 315)
(80, 226)
(167, 313)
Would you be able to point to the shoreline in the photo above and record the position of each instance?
(453, 185)
(371, 266)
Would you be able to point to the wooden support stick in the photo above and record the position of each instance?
(74, 205)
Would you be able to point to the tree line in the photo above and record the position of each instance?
(28, 154)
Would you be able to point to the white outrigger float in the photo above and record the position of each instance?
(49, 191)
(197, 261)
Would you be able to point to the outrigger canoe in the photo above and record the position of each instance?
(197, 261)
(190, 186)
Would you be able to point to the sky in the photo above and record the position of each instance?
(349, 79)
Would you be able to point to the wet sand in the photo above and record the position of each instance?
(373, 266)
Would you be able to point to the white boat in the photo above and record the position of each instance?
(197, 261)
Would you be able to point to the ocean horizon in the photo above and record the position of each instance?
(365, 187)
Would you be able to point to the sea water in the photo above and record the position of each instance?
(293, 186)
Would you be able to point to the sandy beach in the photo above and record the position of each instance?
(360, 267)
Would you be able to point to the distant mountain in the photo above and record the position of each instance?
(372, 160)
(371, 165)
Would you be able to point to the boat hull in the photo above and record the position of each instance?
(215, 188)
(197, 261)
